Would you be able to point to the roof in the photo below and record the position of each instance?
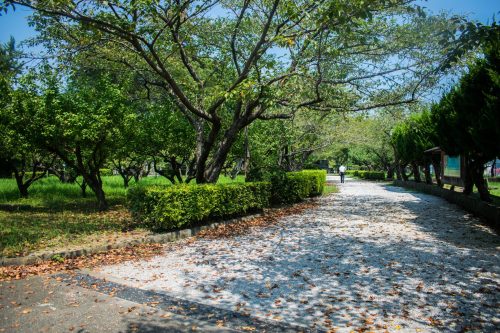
(433, 150)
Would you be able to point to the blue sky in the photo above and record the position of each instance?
(15, 23)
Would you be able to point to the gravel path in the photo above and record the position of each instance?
(370, 257)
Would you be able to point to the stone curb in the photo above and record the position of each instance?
(157, 238)
(490, 213)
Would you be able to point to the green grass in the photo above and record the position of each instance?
(330, 188)
(56, 215)
(493, 187)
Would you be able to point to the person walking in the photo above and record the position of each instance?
(342, 173)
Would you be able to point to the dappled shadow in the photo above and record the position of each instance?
(364, 259)
(447, 221)
(148, 327)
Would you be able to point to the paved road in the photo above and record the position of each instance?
(370, 257)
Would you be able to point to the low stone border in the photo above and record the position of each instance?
(84, 251)
(490, 213)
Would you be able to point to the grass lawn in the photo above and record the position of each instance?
(494, 188)
(55, 215)
(330, 188)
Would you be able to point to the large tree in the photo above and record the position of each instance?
(75, 120)
(226, 64)
(468, 117)
(411, 138)
(18, 155)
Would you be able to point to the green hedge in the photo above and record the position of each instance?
(372, 175)
(180, 206)
(293, 187)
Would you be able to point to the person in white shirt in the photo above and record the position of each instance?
(342, 173)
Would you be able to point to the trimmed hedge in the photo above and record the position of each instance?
(292, 187)
(372, 175)
(180, 206)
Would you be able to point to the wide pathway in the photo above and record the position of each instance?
(372, 257)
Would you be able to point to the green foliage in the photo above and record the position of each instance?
(57, 258)
(468, 117)
(370, 175)
(293, 187)
(106, 172)
(412, 137)
(181, 206)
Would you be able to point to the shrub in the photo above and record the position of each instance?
(293, 187)
(175, 207)
(372, 175)
(180, 206)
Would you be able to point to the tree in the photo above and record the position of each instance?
(76, 122)
(28, 162)
(468, 117)
(411, 138)
(266, 59)
(20, 157)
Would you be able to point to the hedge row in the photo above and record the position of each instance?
(293, 187)
(181, 206)
(175, 207)
(372, 175)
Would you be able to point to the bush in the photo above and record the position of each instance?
(180, 206)
(293, 187)
(372, 175)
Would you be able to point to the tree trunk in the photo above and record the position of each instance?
(176, 169)
(468, 181)
(96, 186)
(220, 156)
(398, 171)
(416, 173)
(477, 170)
(246, 158)
(390, 172)
(125, 181)
(137, 176)
(437, 171)
(83, 188)
(427, 173)
(403, 173)
(203, 147)
(23, 189)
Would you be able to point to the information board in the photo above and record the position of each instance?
(452, 166)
